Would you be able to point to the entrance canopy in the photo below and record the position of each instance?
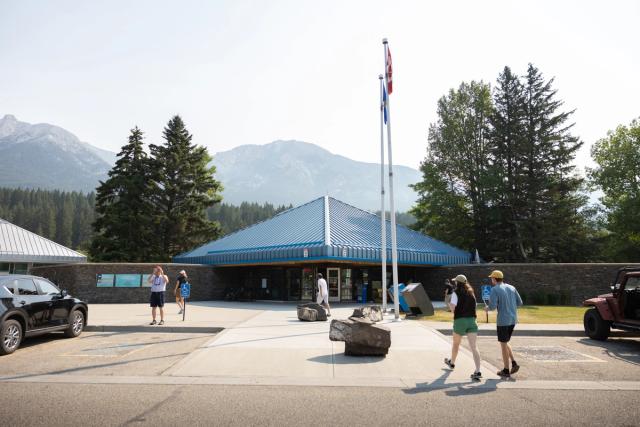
(324, 229)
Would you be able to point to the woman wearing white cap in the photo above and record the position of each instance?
(463, 305)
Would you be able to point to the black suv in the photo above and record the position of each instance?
(31, 305)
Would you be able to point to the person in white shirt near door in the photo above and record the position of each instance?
(323, 294)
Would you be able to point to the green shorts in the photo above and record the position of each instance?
(465, 325)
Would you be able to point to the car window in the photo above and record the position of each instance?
(26, 287)
(633, 283)
(47, 288)
(10, 285)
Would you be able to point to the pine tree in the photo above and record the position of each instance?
(551, 188)
(507, 134)
(123, 228)
(184, 188)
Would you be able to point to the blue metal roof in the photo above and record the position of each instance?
(323, 229)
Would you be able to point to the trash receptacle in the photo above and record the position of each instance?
(417, 300)
(402, 303)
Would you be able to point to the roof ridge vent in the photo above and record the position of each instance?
(327, 224)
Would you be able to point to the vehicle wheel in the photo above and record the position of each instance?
(76, 324)
(10, 337)
(594, 326)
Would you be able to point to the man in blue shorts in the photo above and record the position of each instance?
(506, 299)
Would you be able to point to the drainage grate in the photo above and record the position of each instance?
(552, 354)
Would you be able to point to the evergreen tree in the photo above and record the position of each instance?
(184, 189)
(123, 228)
(552, 190)
(455, 171)
(507, 134)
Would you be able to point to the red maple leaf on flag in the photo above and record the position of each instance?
(389, 72)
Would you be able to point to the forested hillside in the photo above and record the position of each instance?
(66, 217)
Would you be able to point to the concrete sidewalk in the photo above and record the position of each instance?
(201, 316)
(215, 316)
(275, 347)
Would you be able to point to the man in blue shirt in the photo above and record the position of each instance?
(506, 299)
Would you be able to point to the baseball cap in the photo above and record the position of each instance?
(497, 274)
(460, 278)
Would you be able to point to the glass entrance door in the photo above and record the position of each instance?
(333, 282)
(308, 283)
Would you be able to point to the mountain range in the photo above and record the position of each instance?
(49, 157)
(282, 172)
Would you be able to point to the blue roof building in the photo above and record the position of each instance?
(324, 229)
(279, 258)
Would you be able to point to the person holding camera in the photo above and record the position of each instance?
(158, 281)
(463, 305)
(448, 291)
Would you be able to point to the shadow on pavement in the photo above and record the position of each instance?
(89, 367)
(454, 389)
(342, 359)
(626, 350)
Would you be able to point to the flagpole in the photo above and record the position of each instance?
(394, 243)
(383, 214)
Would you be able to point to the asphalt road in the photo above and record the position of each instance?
(126, 405)
(152, 354)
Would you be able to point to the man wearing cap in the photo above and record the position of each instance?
(506, 299)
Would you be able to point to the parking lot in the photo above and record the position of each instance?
(155, 353)
(101, 353)
(569, 358)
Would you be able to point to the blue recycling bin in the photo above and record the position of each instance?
(401, 301)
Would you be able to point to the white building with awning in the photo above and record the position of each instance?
(21, 249)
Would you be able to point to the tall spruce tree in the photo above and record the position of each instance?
(552, 190)
(184, 188)
(537, 194)
(507, 135)
(123, 228)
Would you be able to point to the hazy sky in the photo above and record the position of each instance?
(250, 72)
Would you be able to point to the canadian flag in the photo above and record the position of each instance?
(389, 72)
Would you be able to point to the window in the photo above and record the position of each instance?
(4, 267)
(633, 283)
(20, 268)
(47, 288)
(26, 287)
(10, 285)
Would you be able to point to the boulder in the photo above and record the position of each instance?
(305, 309)
(361, 337)
(371, 312)
(307, 314)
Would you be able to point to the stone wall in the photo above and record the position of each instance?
(570, 282)
(573, 282)
(80, 281)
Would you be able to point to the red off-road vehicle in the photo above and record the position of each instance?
(619, 310)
